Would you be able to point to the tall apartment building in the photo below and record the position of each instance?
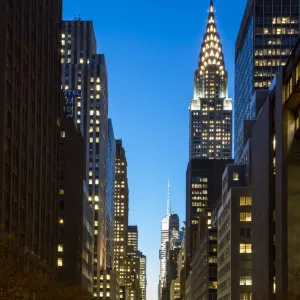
(121, 212)
(110, 187)
(267, 35)
(75, 220)
(29, 124)
(85, 71)
(210, 109)
(234, 243)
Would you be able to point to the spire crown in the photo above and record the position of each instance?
(169, 200)
(211, 54)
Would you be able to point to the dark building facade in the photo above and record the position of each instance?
(75, 228)
(276, 146)
(29, 124)
(267, 35)
(84, 70)
(204, 187)
(204, 279)
(234, 231)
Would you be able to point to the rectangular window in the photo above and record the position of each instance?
(235, 176)
(245, 280)
(245, 296)
(245, 217)
(245, 201)
(246, 248)
(60, 248)
(59, 262)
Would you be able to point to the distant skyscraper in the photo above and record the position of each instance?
(133, 264)
(132, 242)
(268, 33)
(143, 276)
(170, 223)
(121, 212)
(29, 124)
(85, 71)
(110, 187)
(210, 109)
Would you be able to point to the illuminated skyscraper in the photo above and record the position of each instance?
(267, 35)
(85, 71)
(211, 109)
(170, 225)
(121, 212)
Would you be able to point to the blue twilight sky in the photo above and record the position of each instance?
(151, 49)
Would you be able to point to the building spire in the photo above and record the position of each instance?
(211, 54)
(169, 200)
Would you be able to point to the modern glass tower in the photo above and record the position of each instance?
(267, 35)
(210, 108)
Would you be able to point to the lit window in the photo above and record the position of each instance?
(60, 248)
(235, 176)
(245, 201)
(59, 262)
(61, 221)
(98, 87)
(245, 217)
(81, 60)
(245, 280)
(246, 248)
(61, 191)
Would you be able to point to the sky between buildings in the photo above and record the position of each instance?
(151, 49)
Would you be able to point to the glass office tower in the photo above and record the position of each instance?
(267, 35)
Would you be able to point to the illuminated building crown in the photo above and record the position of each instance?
(211, 54)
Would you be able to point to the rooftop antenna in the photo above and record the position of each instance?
(169, 200)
